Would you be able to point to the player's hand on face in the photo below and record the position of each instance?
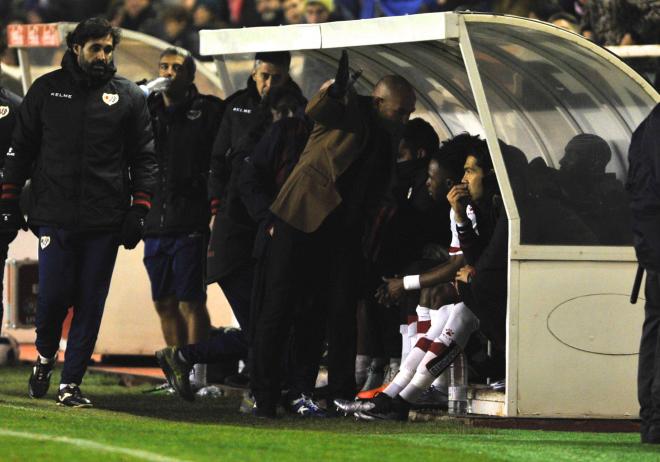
(457, 198)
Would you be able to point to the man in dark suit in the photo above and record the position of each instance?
(315, 255)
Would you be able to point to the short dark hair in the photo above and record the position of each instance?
(188, 60)
(278, 58)
(453, 152)
(92, 28)
(419, 134)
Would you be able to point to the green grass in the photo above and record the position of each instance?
(211, 429)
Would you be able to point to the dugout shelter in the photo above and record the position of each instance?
(572, 335)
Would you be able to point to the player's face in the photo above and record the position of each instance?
(438, 182)
(474, 177)
(170, 65)
(267, 76)
(95, 55)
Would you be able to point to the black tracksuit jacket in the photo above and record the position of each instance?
(184, 135)
(87, 146)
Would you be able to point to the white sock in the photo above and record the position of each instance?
(198, 376)
(412, 331)
(44, 360)
(420, 381)
(361, 364)
(423, 321)
(405, 343)
(460, 325)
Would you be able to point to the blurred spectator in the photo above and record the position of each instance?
(293, 11)
(206, 15)
(565, 21)
(543, 10)
(318, 11)
(269, 12)
(621, 22)
(132, 14)
(513, 7)
(175, 27)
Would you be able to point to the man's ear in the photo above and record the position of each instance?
(76, 49)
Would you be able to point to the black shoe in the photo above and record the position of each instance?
(176, 371)
(40, 378)
(71, 396)
(394, 409)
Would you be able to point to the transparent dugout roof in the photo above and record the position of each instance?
(572, 113)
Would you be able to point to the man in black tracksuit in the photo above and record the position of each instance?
(246, 118)
(9, 104)
(176, 228)
(643, 186)
(84, 137)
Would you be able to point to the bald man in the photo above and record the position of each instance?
(313, 273)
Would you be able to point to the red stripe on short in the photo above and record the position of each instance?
(412, 318)
(423, 326)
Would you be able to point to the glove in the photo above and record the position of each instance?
(11, 219)
(131, 228)
(340, 86)
(155, 85)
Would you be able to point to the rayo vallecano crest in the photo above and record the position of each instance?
(110, 98)
(44, 241)
(4, 111)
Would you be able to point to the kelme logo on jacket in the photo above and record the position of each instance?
(4, 111)
(110, 98)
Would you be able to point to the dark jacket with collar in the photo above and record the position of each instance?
(9, 104)
(244, 122)
(86, 145)
(184, 135)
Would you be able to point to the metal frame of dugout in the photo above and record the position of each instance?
(572, 336)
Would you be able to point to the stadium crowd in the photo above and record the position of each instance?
(342, 230)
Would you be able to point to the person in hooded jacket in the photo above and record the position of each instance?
(9, 104)
(185, 123)
(83, 136)
(247, 116)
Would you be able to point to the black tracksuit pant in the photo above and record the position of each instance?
(311, 283)
(648, 375)
(75, 269)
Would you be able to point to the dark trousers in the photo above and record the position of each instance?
(75, 269)
(648, 375)
(311, 281)
(4, 247)
(237, 287)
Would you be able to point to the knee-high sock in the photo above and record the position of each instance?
(423, 321)
(411, 361)
(405, 343)
(412, 330)
(458, 328)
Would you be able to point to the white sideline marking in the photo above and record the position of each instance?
(86, 444)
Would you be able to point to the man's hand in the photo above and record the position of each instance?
(340, 86)
(465, 274)
(131, 229)
(458, 197)
(11, 220)
(395, 289)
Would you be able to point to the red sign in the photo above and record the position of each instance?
(33, 35)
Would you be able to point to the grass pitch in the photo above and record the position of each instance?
(128, 425)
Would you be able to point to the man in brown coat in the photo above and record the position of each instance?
(313, 268)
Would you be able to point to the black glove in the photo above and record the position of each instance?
(340, 86)
(131, 229)
(11, 219)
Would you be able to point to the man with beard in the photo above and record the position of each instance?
(185, 124)
(9, 104)
(246, 118)
(315, 253)
(84, 137)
